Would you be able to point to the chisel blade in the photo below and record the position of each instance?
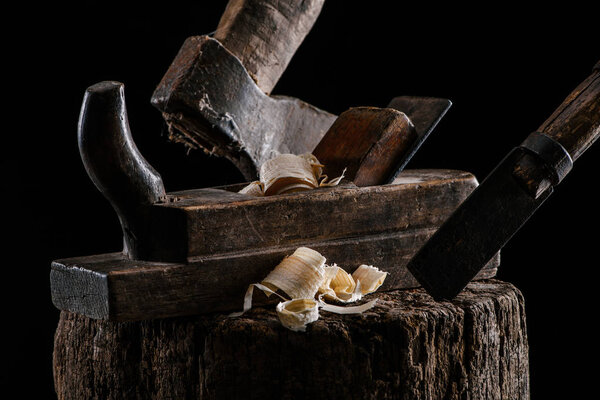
(475, 232)
(424, 113)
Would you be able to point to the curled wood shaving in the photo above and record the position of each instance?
(296, 314)
(299, 275)
(254, 189)
(340, 286)
(371, 278)
(288, 173)
(304, 275)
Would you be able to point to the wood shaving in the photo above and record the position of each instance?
(370, 278)
(304, 275)
(288, 173)
(296, 314)
(299, 275)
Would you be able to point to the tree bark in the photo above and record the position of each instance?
(407, 347)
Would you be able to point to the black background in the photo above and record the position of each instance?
(505, 69)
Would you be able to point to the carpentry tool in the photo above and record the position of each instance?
(373, 145)
(196, 251)
(511, 193)
(214, 95)
(425, 113)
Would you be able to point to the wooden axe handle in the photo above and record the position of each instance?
(575, 125)
(265, 34)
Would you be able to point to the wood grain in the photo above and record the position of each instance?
(265, 34)
(210, 102)
(111, 286)
(368, 143)
(226, 240)
(575, 124)
(322, 214)
(407, 347)
(201, 222)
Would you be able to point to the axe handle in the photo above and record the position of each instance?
(264, 34)
(575, 125)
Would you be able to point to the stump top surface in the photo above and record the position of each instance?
(407, 347)
(391, 306)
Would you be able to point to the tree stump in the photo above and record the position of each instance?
(406, 347)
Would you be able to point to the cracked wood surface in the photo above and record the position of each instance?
(210, 102)
(231, 240)
(265, 34)
(407, 347)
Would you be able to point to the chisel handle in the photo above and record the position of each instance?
(576, 122)
(265, 34)
(574, 126)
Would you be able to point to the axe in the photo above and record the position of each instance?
(509, 195)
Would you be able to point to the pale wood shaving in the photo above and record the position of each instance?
(288, 173)
(304, 275)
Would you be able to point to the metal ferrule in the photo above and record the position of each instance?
(555, 158)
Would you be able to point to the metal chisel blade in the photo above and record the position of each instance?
(475, 232)
(424, 113)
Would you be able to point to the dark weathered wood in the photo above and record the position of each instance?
(181, 226)
(367, 142)
(210, 102)
(229, 240)
(500, 206)
(204, 222)
(265, 34)
(575, 124)
(114, 163)
(214, 95)
(111, 286)
(245, 222)
(406, 347)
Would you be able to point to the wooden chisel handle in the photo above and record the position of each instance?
(576, 122)
(265, 34)
(574, 125)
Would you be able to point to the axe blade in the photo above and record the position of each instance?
(476, 231)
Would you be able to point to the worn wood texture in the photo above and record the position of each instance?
(210, 102)
(407, 347)
(111, 286)
(206, 222)
(231, 240)
(368, 143)
(575, 124)
(211, 221)
(265, 34)
(114, 163)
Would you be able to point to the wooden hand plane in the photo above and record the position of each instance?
(196, 251)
